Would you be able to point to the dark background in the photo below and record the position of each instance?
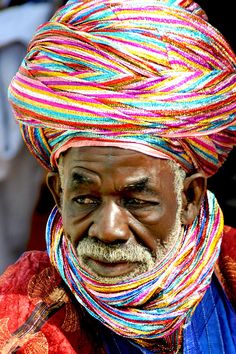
(221, 14)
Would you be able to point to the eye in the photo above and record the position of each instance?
(86, 201)
(136, 203)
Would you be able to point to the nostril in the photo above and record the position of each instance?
(114, 242)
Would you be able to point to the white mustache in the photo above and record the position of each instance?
(93, 248)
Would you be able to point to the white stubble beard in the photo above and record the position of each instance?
(144, 258)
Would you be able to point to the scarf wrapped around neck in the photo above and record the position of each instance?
(155, 304)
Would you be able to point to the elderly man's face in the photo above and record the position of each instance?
(119, 209)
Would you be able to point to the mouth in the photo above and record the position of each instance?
(109, 269)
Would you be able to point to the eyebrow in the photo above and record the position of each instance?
(141, 185)
(80, 179)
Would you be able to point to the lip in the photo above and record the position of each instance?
(108, 269)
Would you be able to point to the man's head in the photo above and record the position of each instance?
(123, 210)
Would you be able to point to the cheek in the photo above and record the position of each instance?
(75, 227)
(162, 216)
(156, 225)
(148, 234)
(75, 230)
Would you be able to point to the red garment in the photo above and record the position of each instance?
(31, 287)
(226, 264)
(37, 316)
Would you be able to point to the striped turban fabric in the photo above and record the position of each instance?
(152, 74)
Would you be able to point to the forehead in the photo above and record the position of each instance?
(121, 165)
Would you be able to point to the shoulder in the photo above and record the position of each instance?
(229, 242)
(226, 264)
(24, 284)
(17, 276)
(36, 311)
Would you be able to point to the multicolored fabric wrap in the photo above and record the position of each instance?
(154, 74)
(156, 303)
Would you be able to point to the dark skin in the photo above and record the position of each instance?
(120, 196)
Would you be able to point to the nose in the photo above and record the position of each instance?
(110, 224)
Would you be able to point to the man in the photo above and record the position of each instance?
(130, 107)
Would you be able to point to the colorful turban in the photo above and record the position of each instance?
(151, 75)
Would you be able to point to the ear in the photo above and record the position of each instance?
(193, 192)
(54, 185)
